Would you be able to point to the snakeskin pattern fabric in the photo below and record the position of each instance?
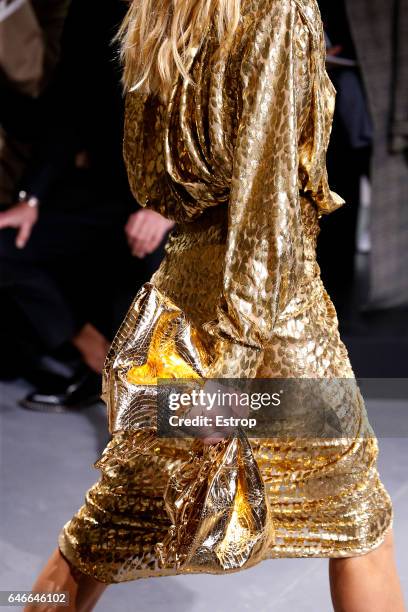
(237, 158)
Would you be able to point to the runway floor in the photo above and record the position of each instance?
(46, 467)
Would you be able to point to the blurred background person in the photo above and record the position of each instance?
(75, 226)
(380, 34)
(30, 33)
(348, 156)
(367, 45)
(369, 40)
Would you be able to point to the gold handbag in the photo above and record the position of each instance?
(221, 520)
(221, 517)
(155, 341)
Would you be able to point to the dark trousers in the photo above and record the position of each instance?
(76, 268)
(337, 241)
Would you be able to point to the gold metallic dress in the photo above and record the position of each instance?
(237, 159)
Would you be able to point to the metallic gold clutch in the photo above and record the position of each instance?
(155, 341)
(221, 520)
(217, 504)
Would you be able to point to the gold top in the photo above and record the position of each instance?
(249, 131)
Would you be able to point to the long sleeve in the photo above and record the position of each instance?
(144, 155)
(264, 256)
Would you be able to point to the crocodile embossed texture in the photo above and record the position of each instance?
(237, 158)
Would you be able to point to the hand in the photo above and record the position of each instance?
(23, 217)
(220, 402)
(145, 230)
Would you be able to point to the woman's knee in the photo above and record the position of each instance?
(384, 551)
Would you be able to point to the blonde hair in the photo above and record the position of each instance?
(158, 37)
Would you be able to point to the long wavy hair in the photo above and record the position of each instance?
(157, 38)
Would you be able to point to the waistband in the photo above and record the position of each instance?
(211, 227)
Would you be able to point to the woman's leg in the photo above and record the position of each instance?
(368, 583)
(58, 576)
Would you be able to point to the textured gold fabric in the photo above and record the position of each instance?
(216, 501)
(156, 341)
(238, 160)
(221, 517)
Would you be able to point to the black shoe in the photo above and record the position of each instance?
(60, 394)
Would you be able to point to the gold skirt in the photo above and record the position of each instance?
(326, 496)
